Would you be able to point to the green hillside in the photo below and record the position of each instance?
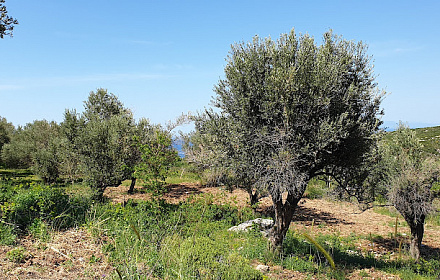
(430, 137)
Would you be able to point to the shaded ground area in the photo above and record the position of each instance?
(74, 254)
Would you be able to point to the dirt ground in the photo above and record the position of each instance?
(74, 254)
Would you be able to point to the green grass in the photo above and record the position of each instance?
(184, 241)
(183, 173)
(388, 211)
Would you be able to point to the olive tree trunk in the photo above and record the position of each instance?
(132, 185)
(284, 212)
(417, 230)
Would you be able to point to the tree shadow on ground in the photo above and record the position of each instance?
(307, 216)
(381, 244)
(177, 191)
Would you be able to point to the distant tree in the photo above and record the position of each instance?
(290, 110)
(47, 160)
(6, 22)
(26, 142)
(363, 182)
(35, 146)
(18, 152)
(6, 132)
(411, 175)
(69, 156)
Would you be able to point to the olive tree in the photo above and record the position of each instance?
(411, 175)
(102, 137)
(36, 146)
(290, 110)
(6, 22)
(6, 131)
(157, 157)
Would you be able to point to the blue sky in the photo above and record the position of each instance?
(162, 58)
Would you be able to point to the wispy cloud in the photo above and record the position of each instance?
(394, 48)
(26, 82)
(161, 66)
(10, 87)
(149, 43)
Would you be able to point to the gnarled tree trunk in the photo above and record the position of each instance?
(417, 230)
(283, 215)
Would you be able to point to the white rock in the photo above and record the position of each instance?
(263, 224)
(262, 268)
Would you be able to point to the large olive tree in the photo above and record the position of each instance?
(290, 110)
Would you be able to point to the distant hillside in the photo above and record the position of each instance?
(392, 125)
(429, 136)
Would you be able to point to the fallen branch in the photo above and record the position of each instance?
(62, 254)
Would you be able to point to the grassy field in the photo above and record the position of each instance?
(144, 239)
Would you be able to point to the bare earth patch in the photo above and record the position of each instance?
(71, 254)
(75, 254)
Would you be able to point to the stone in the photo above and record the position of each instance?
(264, 225)
(262, 268)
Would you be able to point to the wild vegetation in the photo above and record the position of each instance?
(296, 122)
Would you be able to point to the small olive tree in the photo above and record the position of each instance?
(157, 157)
(290, 110)
(411, 175)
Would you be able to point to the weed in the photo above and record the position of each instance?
(94, 259)
(7, 235)
(363, 274)
(17, 255)
(39, 230)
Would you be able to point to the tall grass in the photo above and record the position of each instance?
(165, 241)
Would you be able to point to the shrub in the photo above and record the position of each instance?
(39, 230)
(48, 204)
(38, 202)
(7, 236)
